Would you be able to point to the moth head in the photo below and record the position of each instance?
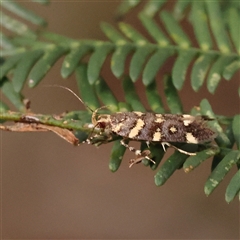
(103, 121)
(100, 120)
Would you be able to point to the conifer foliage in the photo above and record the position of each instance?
(27, 55)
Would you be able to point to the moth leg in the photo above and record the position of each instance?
(148, 143)
(103, 136)
(163, 145)
(140, 155)
(178, 149)
(144, 155)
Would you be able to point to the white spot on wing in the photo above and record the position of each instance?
(134, 132)
(173, 129)
(190, 138)
(159, 118)
(187, 119)
(139, 113)
(156, 136)
(117, 128)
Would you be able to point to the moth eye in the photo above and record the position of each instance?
(102, 124)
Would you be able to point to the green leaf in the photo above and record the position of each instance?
(200, 69)
(231, 69)
(138, 60)
(6, 43)
(174, 30)
(221, 139)
(229, 133)
(233, 187)
(16, 99)
(233, 17)
(3, 108)
(154, 55)
(83, 116)
(194, 161)
(57, 38)
(105, 95)
(153, 98)
(180, 67)
(133, 34)
(117, 153)
(24, 42)
(173, 163)
(173, 100)
(126, 6)
(157, 154)
(220, 171)
(179, 8)
(119, 58)
(154, 64)
(9, 64)
(236, 129)
(81, 136)
(218, 26)
(154, 30)
(86, 90)
(96, 61)
(216, 71)
(199, 21)
(216, 160)
(124, 107)
(72, 59)
(113, 34)
(41, 68)
(41, 1)
(23, 12)
(152, 7)
(131, 96)
(23, 68)
(16, 26)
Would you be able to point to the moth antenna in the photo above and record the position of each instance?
(71, 91)
(94, 112)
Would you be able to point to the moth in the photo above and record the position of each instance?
(152, 128)
(158, 128)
